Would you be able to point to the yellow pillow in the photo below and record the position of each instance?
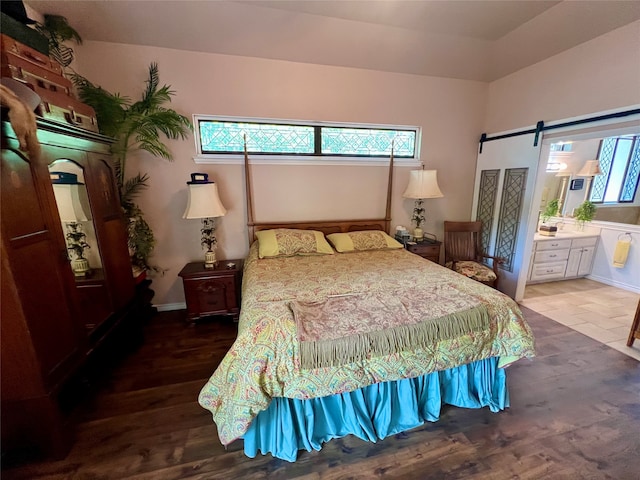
(365, 240)
(285, 242)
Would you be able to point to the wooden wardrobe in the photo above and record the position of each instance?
(53, 321)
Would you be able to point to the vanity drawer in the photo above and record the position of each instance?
(548, 271)
(553, 244)
(584, 242)
(551, 255)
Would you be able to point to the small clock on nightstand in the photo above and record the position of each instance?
(212, 291)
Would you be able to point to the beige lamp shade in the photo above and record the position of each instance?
(69, 199)
(423, 184)
(591, 168)
(204, 201)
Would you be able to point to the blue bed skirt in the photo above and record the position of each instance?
(376, 411)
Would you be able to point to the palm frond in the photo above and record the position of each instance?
(62, 54)
(154, 146)
(171, 124)
(154, 80)
(153, 102)
(58, 27)
(110, 108)
(133, 187)
(117, 167)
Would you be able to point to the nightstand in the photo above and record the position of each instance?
(427, 249)
(212, 291)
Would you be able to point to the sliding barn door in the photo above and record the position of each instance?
(505, 179)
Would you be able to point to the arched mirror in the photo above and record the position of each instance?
(72, 200)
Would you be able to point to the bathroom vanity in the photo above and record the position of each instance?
(563, 256)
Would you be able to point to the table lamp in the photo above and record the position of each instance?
(422, 184)
(72, 203)
(204, 203)
(590, 169)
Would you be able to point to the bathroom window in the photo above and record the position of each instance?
(619, 159)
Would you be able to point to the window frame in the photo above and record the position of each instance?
(303, 158)
(635, 141)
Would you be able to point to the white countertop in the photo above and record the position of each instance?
(565, 234)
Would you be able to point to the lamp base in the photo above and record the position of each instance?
(80, 267)
(210, 259)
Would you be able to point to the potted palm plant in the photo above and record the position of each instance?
(57, 30)
(136, 125)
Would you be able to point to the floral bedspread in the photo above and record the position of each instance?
(264, 361)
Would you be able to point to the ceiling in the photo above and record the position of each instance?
(465, 39)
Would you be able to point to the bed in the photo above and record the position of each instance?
(396, 338)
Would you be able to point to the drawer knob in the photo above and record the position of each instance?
(549, 271)
(208, 288)
(552, 256)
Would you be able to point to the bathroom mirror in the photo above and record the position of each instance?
(74, 209)
(564, 180)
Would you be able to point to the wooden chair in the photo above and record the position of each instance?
(635, 327)
(463, 252)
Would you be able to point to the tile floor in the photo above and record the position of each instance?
(600, 311)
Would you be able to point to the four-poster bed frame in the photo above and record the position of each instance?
(325, 226)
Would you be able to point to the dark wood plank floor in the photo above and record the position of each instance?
(575, 414)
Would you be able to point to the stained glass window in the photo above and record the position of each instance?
(630, 185)
(619, 159)
(367, 142)
(227, 136)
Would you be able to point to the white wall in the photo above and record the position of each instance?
(599, 75)
(627, 277)
(449, 111)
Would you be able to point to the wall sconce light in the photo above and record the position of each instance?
(204, 203)
(422, 184)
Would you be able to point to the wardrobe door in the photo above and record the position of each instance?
(34, 245)
(68, 177)
(111, 228)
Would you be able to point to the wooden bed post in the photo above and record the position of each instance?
(387, 218)
(247, 179)
(330, 226)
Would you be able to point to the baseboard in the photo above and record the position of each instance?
(613, 283)
(167, 307)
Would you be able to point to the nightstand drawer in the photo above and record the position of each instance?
(210, 296)
(214, 291)
(430, 251)
(424, 249)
